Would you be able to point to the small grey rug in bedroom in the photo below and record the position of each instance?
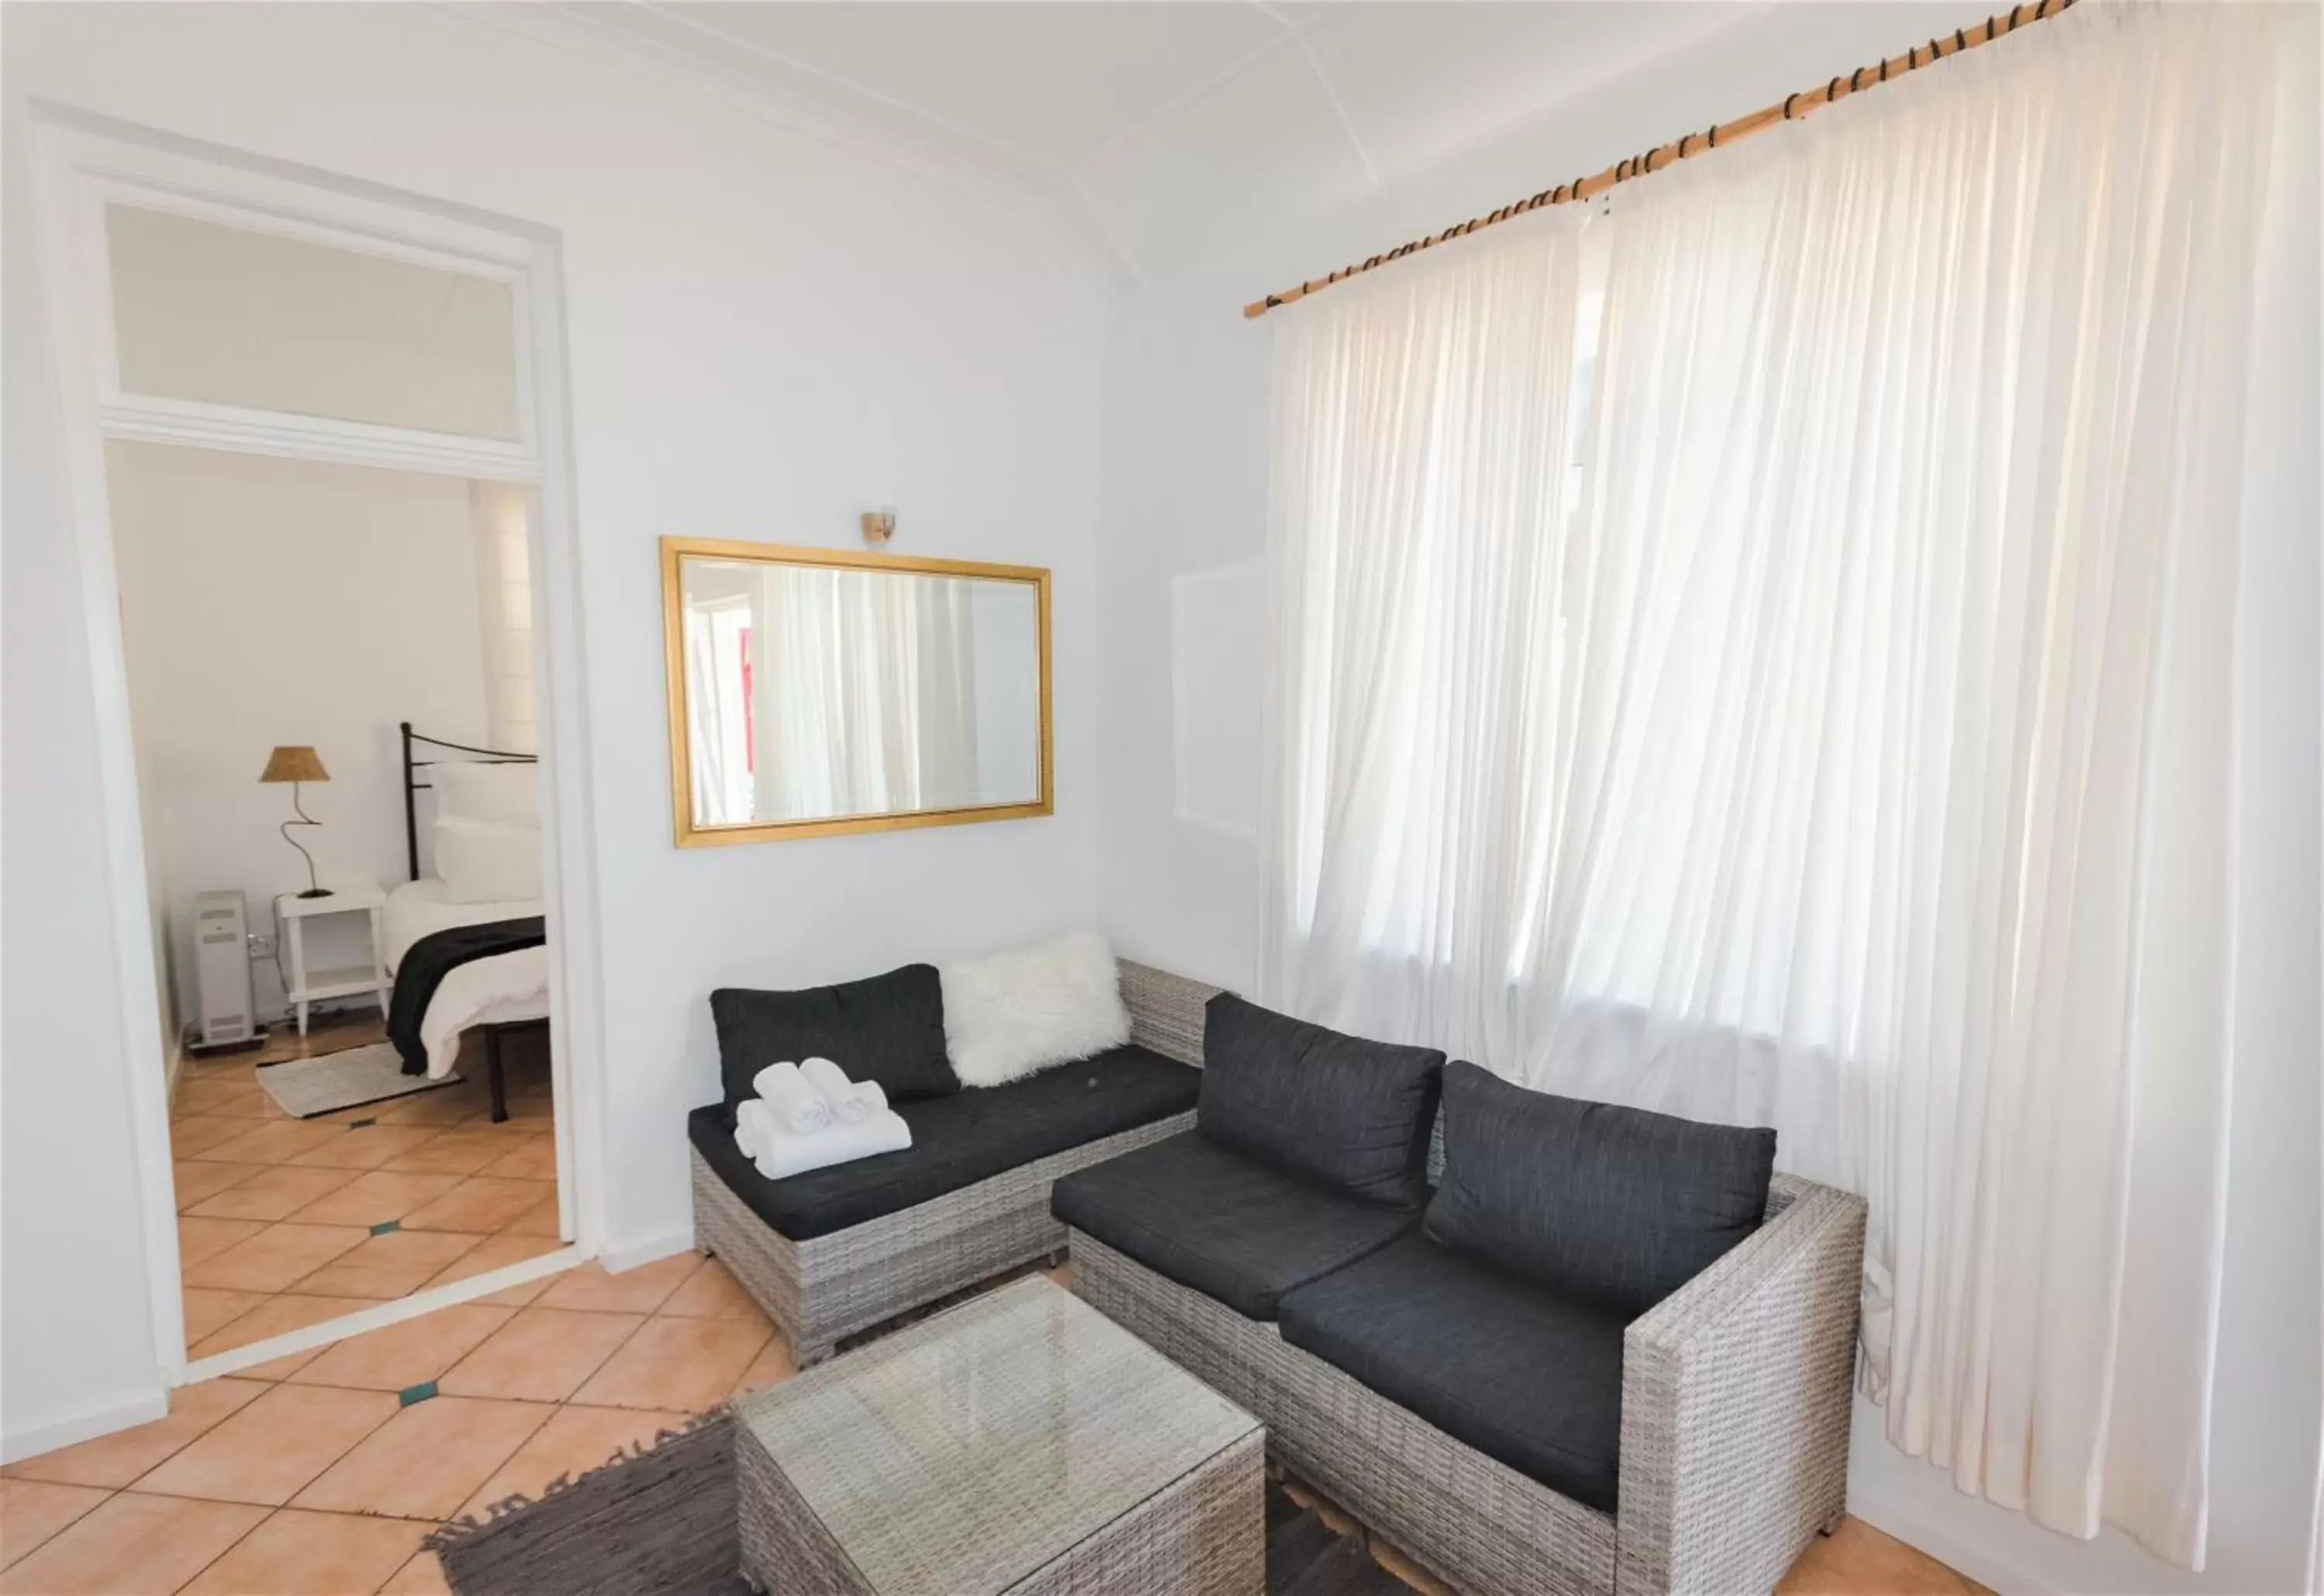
(350, 1078)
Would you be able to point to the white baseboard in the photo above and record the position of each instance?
(17, 1445)
(617, 1259)
(1966, 1554)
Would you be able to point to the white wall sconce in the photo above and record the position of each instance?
(879, 525)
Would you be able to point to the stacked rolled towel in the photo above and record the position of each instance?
(798, 1107)
(848, 1101)
(768, 1128)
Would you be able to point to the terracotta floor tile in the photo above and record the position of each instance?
(439, 1109)
(479, 1205)
(275, 1258)
(1857, 1558)
(542, 1355)
(113, 1460)
(534, 1157)
(271, 1449)
(33, 1511)
(449, 1152)
(271, 1193)
(711, 1292)
(422, 1576)
(772, 1366)
(196, 1179)
(406, 1354)
(277, 1142)
(376, 1197)
(497, 1252)
(278, 1370)
(199, 1238)
(133, 1544)
(641, 1290)
(396, 1264)
(208, 1310)
(427, 1459)
(275, 1316)
(539, 1219)
(302, 1553)
(191, 1137)
(571, 1444)
(244, 1099)
(365, 1147)
(688, 1364)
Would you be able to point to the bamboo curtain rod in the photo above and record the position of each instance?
(1788, 109)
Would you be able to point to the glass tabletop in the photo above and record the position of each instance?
(967, 1451)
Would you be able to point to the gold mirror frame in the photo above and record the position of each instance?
(675, 552)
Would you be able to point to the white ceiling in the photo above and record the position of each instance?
(1158, 125)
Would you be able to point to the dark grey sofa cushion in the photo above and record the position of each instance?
(1524, 1375)
(957, 1140)
(1226, 1226)
(1617, 1206)
(887, 1029)
(1350, 1114)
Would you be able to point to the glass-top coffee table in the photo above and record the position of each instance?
(1020, 1442)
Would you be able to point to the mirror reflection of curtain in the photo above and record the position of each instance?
(867, 701)
(718, 696)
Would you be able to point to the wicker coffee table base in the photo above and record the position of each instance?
(1205, 1534)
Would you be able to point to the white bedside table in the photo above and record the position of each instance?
(292, 913)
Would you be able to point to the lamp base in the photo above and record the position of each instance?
(315, 892)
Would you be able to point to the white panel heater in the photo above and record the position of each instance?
(222, 961)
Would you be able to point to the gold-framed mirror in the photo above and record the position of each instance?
(819, 691)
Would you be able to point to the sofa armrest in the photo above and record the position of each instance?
(1166, 1010)
(1735, 1404)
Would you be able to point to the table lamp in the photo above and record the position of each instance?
(295, 765)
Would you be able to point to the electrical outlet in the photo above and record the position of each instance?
(262, 944)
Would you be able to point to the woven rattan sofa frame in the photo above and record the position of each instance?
(1735, 1417)
(833, 1286)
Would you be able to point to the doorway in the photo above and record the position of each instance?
(319, 465)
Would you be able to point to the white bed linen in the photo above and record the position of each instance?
(497, 991)
(419, 908)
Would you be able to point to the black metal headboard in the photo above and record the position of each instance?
(412, 783)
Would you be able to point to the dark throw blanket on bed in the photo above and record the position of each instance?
(433, 957)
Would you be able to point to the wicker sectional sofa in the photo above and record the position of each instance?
(1730, 1395)
(821, 1282)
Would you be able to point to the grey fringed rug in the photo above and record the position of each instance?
(662, 1520)
(349, 1078)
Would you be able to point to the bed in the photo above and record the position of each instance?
(493, 996)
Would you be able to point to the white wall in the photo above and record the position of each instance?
(266, 602)
(768, 334)
(1184, 492)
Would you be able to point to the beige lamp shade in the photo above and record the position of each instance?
(295, 764)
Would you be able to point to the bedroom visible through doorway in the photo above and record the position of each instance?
(363, 1106)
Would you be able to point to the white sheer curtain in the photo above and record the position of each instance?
(1854, 759)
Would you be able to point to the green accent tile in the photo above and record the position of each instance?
(385, 1225)
(418, 1393)
(359, 1124)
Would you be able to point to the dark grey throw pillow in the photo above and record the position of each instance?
(1333, 1109)
(1614, 1205)
(887, 1029)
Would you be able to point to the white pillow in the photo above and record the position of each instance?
(509, 794)
(488, 860)
(1016, 1014)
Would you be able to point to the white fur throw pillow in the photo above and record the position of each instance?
(1015, 1014)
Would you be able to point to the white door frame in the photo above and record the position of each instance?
(81, 161)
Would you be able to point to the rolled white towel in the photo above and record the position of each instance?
(798, 1107)
(873, 1098)
(782, 1154)
(752, 1119)
(843, 1096)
